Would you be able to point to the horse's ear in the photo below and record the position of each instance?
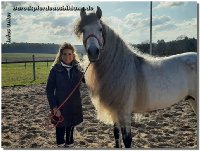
(99, 12)
(82, 13)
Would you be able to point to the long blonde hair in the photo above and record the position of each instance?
(64, 46)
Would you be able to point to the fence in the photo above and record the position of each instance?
(29, 61)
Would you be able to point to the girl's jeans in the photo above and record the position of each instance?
(61, 132)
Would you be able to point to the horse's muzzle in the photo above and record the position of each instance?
(93, 53)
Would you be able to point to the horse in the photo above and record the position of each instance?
(122, 81)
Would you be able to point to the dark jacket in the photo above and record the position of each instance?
(59, 86)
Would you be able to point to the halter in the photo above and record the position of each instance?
(93, 35)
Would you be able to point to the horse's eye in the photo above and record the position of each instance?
(100, 29)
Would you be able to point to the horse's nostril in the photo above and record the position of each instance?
(89, 51)
(96, 51)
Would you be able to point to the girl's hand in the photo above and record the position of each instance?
(56, 112)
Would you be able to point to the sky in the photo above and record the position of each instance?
(130, 19)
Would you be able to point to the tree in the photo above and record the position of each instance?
(162, 48)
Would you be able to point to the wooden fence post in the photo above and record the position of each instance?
(33, 67)
(6, 63)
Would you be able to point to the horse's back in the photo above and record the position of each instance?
(189, 63)
(190, 60)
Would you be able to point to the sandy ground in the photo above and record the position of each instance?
(25, 110)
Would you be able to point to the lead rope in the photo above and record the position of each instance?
(61, 118)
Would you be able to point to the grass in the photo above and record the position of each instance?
(17, 74)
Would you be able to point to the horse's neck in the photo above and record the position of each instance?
(114, 55)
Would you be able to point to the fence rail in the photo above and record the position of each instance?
(28, 61)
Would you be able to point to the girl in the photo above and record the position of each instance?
(63, 77)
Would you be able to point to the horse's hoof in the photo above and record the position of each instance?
(118, 146)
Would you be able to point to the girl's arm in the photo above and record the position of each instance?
(50, 89)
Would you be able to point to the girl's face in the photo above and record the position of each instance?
(67, 56)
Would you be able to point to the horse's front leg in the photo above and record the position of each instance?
(126, 131)
(117, 136)
(126, 135)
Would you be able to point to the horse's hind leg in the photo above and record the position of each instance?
(193, 102)
(192, 98)
(117, 136)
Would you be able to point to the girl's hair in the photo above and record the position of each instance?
(64, 46)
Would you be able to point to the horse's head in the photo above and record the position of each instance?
(91, 28)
